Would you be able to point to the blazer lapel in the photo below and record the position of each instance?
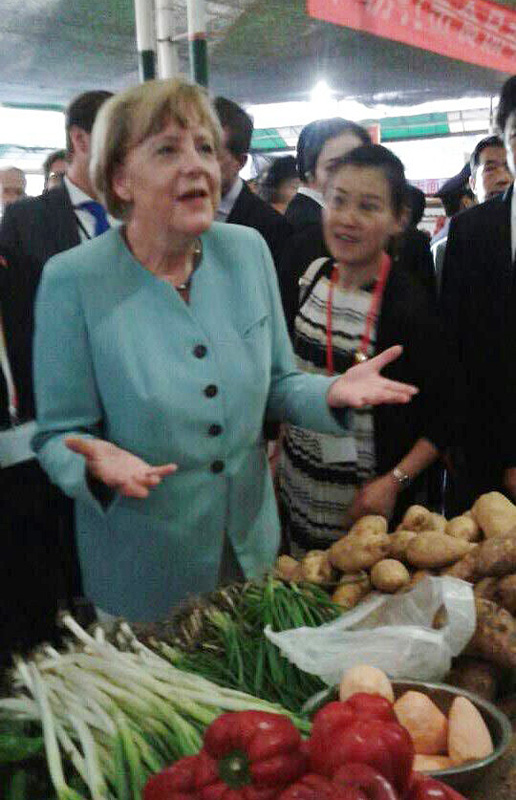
(62, 223)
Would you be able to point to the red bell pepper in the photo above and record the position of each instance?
(371, 782)
(315, 787)
(176, 782)
(340, 737)
(423, 787)
(248, 755)
(371, 705)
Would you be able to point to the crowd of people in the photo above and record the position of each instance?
(167, 328)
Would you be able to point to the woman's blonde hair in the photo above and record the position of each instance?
(128, 118)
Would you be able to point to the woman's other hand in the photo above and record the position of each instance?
(117, 468)
(362, 385)
(378, 496)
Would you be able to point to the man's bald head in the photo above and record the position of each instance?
(12, 185)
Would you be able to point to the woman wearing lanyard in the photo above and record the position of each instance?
(350, 307)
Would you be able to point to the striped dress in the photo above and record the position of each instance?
(318, 474)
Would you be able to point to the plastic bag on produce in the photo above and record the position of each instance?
(392, 632)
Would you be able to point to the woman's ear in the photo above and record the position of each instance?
(121, 184)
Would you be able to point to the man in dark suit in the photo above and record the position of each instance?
(238, 204)
(479, 306)
(39, 567)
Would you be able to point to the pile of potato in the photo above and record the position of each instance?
(478, 546)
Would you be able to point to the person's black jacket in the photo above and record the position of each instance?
(251, 210)
(411, 251)
(407, 318)
(302, 211)
(479, 307)
(31, 231)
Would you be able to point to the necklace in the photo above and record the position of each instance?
(197, 254)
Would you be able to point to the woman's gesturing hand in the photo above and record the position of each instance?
(117, 468)
(362, 385)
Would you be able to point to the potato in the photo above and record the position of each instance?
(316, 567)
(495, 514)
(415, 519)
(487, 589)
(495, 635)
(463, 527)
(436, 522)
(497, 556)
(287, 568)
(389, 575)
(364, 678)
(431, 763)
(507, 593)
(371, 523)
(436, 550)
(466, 568)
(359, 551)
(351, 590)
(468, 736)
(398, 543)
(427, 725)
(476, 675)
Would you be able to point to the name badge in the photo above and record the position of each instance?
(338, 449)
(15, 444)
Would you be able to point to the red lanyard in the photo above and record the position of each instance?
(376, 301)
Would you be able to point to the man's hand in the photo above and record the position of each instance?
(375, 497)
(117, 468)
(362, 385)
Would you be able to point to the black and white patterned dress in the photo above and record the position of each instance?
(318, 474)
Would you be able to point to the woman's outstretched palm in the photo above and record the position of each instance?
(117, 468)
(362, 385)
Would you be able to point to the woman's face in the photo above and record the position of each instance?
(172, 181)
(333, 149)
(358, 217)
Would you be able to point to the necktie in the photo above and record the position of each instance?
(99, 212)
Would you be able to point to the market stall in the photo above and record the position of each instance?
(101, 716)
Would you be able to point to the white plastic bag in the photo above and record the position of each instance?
(393, 633)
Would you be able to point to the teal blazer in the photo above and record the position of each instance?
(119, 355)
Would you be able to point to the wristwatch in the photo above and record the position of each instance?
(402, 477)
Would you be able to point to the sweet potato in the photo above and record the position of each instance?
(288, 569)
(359, 551)
(364, 678)
(427, 725)
(468, 736)
(495, 635)
(497, 556)
(436, 522)
(506, 593)
(463, 527)
(487, 589)
(398, 543)
(495, 514)
(431, 763)
(389, 575)
(433, 549)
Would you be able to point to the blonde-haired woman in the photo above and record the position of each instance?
(160, 349)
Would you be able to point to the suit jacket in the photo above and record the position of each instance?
(302, 211)
(252, 211)
(479, 307)
(31, 231)
(170, 382)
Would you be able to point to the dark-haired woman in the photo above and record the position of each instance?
(352, 305)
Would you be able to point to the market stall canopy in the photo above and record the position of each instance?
(266, 51)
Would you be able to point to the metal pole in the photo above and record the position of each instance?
(168, 57)
(145, 38)
(197, 39)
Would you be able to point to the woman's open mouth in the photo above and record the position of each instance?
(194, 194)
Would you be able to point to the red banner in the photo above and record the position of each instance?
(477, 31)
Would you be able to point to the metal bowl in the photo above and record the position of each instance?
(498, 724)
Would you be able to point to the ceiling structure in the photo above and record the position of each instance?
(260, 51)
